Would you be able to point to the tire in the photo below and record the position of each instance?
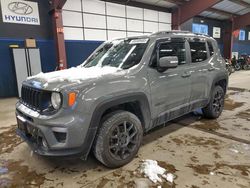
(118, 139)
(216, 104)
(246, 67)
(237, 67)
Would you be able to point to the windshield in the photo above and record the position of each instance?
(123, 53)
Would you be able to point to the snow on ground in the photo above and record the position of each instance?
(75, 74)
(154, 172)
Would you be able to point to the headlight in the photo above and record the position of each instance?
(56, 100)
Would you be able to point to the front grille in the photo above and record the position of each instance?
(35, 99)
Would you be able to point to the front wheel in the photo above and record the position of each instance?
(216, 104)
(118, 139)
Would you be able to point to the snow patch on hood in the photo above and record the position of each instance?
(154, 172)
(75, 74)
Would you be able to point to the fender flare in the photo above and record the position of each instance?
(126, 98)
(217, 79)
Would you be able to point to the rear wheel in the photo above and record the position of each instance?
(216, 104)
(118, 139)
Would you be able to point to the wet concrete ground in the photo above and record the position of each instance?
(199, 152)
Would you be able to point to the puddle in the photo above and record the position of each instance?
(209, 125)
(240, 148)
(230, 104)
(19, 175)
(197, 141)
(177, 141)
(169, 167)
(194, 159)
(3, 170)
(233, 96)
(9, 140)
(201, 169)
(103, 182)
(237, 89)
(244, 115)
(216, 155)
(206, 169)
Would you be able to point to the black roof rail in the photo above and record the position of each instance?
(170, 31)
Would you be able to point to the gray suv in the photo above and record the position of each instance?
(125, 88)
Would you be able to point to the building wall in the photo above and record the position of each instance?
(87, 24)
(99, 21)
(242, 47)
(16, 34)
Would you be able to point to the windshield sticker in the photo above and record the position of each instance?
(139, 41)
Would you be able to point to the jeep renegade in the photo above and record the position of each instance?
(125, 88)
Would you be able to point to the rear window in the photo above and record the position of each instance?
(198, 51)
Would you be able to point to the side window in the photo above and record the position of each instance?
(173, 49)
(198, 51)
(211, 48)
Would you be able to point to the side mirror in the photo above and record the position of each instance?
(168, 62)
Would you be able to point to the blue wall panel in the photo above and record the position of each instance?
(77, 52)
(241, 48)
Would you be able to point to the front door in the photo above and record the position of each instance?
(170, 89)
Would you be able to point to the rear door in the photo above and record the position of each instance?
(200, 68)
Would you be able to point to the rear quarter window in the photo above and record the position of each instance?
(198, 51)
(211, 48)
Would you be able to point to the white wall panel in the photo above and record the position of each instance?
(134, 34)
(164, 27)
(94, 21)
(95, 34)
(134, 12)
(74, 5)
(150, 27)
(116, 34)
(73, 33)
(100, 20)
(134, 25)
(94, 6)
(72, 18)
(116, 23)
(115, 9)
(165, 17)
(150, 15)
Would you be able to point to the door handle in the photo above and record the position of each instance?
(186, 74)
(211, 69)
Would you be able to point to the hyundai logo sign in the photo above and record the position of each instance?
(20, 12)
(20, 8)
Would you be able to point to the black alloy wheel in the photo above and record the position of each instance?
(118, 139)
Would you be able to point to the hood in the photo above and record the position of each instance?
(69, 77)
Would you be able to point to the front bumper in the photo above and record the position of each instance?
(62, 136)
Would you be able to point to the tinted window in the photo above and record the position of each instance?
(211, 48)
(173, 49)
(198, 51)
